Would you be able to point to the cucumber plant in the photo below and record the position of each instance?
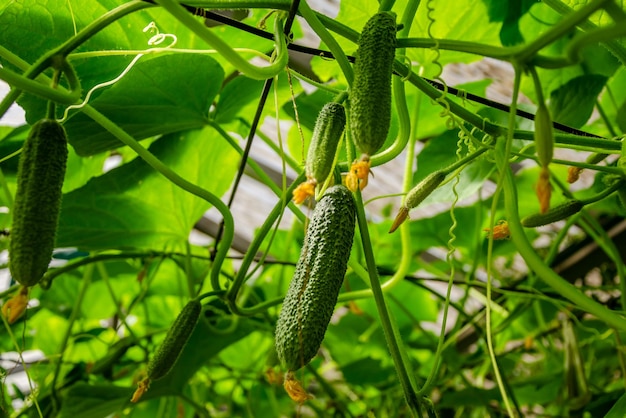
(194, 88)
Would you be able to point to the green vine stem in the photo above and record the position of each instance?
(614, 46)
(559, 30)
(240, 278)
(502, 152)
(87, 277)
(64, 49)
(391, 333)
(22, 83)
(542, 270)
(225, 50)
(148, 157)
(327, 38)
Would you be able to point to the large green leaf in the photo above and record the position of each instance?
(572, 103)
(134, 206)
(509, 13)
(165, 94)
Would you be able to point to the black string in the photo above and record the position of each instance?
(255, 122)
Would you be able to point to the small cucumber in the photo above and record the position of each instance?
(557, 213)
(168, 352)
(175, 340)
(327, 132)
(329, 127)
(544, 135)
(37, 202)
(314, 288)
(417, 195)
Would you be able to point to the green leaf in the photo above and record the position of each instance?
(367, 371)
(134, 206)
(572, 103)
(94, 400)
(509, 13)
(619, 409)
(234, 96)
(158, 96)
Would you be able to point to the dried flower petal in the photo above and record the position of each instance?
(142, 388)
(294, 389)
(500, 231)
(573, 174)
(544, 190)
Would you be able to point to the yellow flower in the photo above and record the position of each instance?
(358, 174)
(15, 307)
(303, 191)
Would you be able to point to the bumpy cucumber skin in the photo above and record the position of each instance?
(37, 202)
(370, 94)
(175, 340)
(313, 292)
(329, 126)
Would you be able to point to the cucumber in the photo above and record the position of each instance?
(557, 213)
(168, 352)
(327, 132)
(314, 288)
(329, 127)
(37, 202)
(370, 94)
(175, 340)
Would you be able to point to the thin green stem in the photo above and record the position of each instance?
(151, 160)
(327, 38)
(121, 315)
(240, 278)
(613, 45)
(225, 50)
(22, 83)
(552, 279)
(87, 277)
(559, 30)
(502, 166)
(391, 335)
(64, 49)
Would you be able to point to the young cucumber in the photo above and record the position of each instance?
(168, 352)
(37, 202)
(326, 135)
(327, 132)
(312, 294)
(557, 213)
(175, 340)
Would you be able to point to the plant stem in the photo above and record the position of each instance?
(391, 335)
(148, 157)
(240, 278)
(225, 50)
(64, 49)
(87, 276)
(569, 22)
(535, 263)
(327, 38)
